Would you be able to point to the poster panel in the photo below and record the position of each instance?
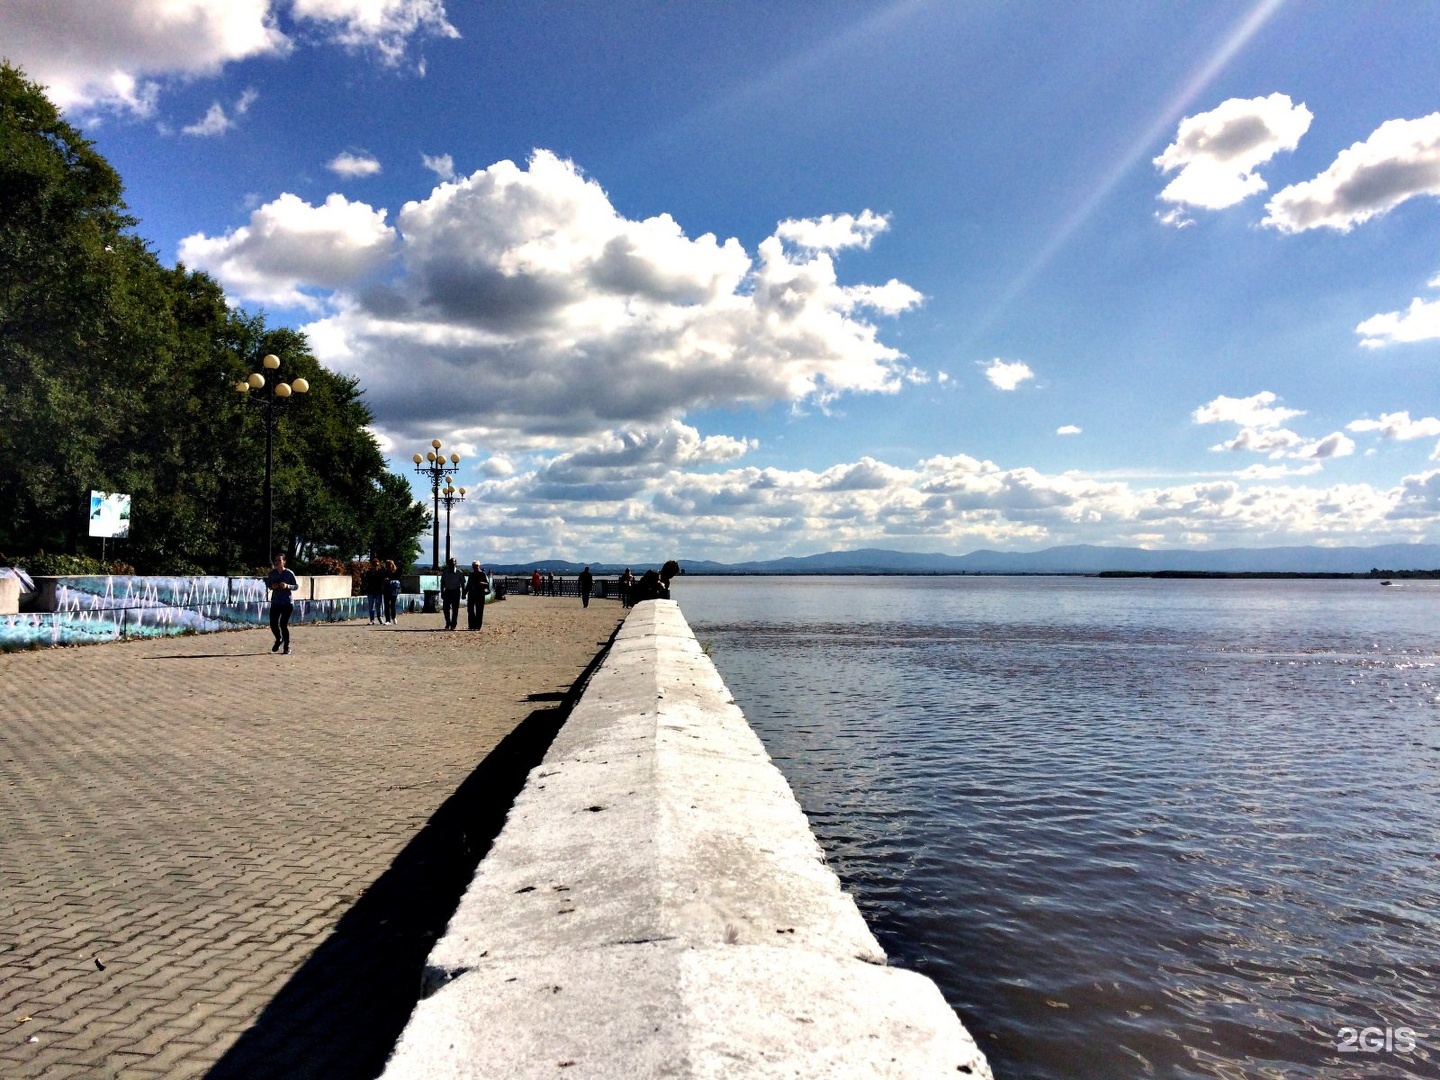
(109, 514)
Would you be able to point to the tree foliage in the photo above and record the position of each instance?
(117, 373)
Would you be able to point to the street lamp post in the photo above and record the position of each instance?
(449, 495)
(434, 465)
(273, 403)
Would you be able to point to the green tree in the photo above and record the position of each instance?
(65, 264)
(118, 373)
(397, 521)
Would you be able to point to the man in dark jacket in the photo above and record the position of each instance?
(586, 581)
(476, 586)
(281, 585)
(372, 583)
(452, 584)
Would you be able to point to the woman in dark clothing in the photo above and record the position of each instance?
(373, 582)
(392, 590)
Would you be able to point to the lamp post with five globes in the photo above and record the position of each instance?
(273, 402)
(434, 465)
(450, 495)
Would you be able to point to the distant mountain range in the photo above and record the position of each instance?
(1073, 559)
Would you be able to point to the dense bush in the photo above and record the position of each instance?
(46, 564)
(325, 565)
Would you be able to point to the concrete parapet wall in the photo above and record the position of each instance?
(330, 587)
(84, 610)
(99, 592)
(656, 905)
(38, 629)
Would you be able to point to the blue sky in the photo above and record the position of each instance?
(746, 280)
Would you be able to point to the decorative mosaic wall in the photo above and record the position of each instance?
(94, 609)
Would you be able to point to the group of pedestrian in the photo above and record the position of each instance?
(546, 584)
(651, 585)
(473, 587)
(381, 585)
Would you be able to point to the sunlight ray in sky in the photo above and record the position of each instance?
(1189, 91)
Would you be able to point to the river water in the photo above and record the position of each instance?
(1132, 828)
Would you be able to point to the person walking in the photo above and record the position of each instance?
(627, 586)
(392, 590)
(586, 581)
(281, 585)
(535, 582)
(476, 586)
(372, 583)
(452, 584)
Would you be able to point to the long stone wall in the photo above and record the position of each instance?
(656, 905)
(85, 610)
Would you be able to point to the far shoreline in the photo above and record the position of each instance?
(1281, 575)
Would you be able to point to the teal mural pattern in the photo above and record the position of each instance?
(90, 610)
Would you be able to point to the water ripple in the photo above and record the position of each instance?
(1131, 828)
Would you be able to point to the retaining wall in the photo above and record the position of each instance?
(85, 610)
(656, 905)
(101, 592)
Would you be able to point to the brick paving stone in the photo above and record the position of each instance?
(257, 849)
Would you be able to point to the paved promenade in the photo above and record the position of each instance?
(217, 861)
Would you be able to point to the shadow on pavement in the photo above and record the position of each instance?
(204, 655)
(340, 1015)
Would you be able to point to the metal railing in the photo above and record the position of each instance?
(519, 585)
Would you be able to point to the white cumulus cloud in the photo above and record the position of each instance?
(1399, 426)
(1067, 429)
(385, 26)
(113, 54)
(1273, 441)
(215, 121)
(442, 165)
(526, 308)
(1418, 498)
(1419, 322)
(1399, 161)
(290, 246)
(831, 232)
(1262, 432)
(661, 491)
(1258, 410)
(352, 165)
(119, 54)
(1336, 444)
(1217, 152)
(1007, 374)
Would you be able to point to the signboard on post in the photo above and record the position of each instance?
(109, 514)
